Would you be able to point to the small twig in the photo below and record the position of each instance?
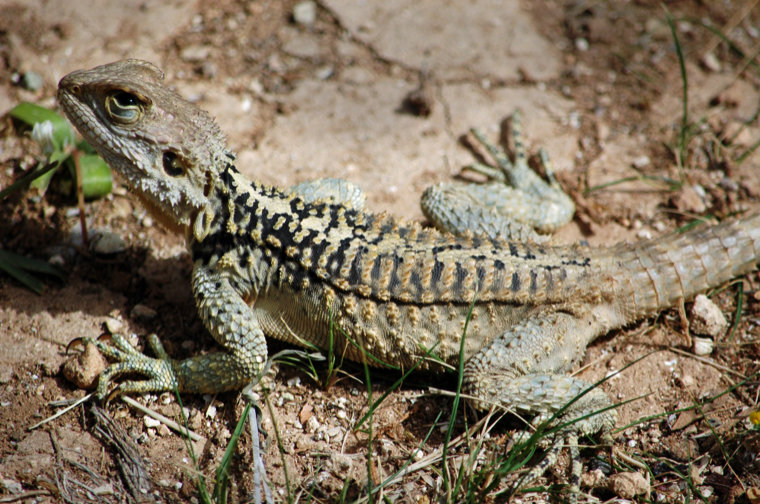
(60, 412)
(628, 459)
(259, 469)
(80, 199)
(740, 14)
(25, 495)
(161, 418)
(707, 361)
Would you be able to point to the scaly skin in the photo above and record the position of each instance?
(278, 263)
(513, 204)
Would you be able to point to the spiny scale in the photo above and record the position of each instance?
(376, 256)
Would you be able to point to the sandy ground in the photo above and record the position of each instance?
(599, 87)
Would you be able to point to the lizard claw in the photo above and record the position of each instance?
(76, 342)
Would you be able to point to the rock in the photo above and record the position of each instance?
(143, 312)
(706, 318)
(702, 346)
(105, 242)
(32, 81)
(11, 486)
(83, 370)
(6, 373)
(711, 62)
(628, 485)
(114, 325)
(195, 54)
(305, 13)
(689, 200)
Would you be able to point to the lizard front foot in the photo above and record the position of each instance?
(160, 371)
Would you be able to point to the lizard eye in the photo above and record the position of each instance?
(124, 107)
(173, 164)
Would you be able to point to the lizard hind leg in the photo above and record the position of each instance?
(522, 371)
(515, 203)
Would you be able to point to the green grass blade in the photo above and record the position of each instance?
(19, 266)
(26, 279)
(29, 178)
(396, 384)
(685, 91)
(457, 397)
(223, 471)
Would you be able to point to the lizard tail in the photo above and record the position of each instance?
(666, 270)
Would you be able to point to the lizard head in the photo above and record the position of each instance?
(167, 150)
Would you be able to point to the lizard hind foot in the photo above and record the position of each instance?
(514, 204)
(523, 371)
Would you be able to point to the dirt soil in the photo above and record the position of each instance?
(600, 87)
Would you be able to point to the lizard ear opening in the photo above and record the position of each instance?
(174, 165)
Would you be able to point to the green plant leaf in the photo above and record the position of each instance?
(96, 176)
(19, 266)
(32, 114)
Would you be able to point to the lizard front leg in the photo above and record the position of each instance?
(231, 322)
(332, 190)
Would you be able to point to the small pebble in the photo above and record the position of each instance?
(114, 325)
(6, 373)
(104, 489)
(641, 162)
(294, 382)
(312, 424)
(211, 411)
(325, 72)
(32, 81)
(581, 44)
(142, 312)
(11, 486)
(728, 184)
(84, 368)
(711, 62)
(57, 260)
(209, 69)
(628, 485)
(107, 243)
(707, 318)
(305, 13)
(150, 422)
(195, 54)
(702, 346)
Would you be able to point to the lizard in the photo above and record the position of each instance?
(280, 263)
